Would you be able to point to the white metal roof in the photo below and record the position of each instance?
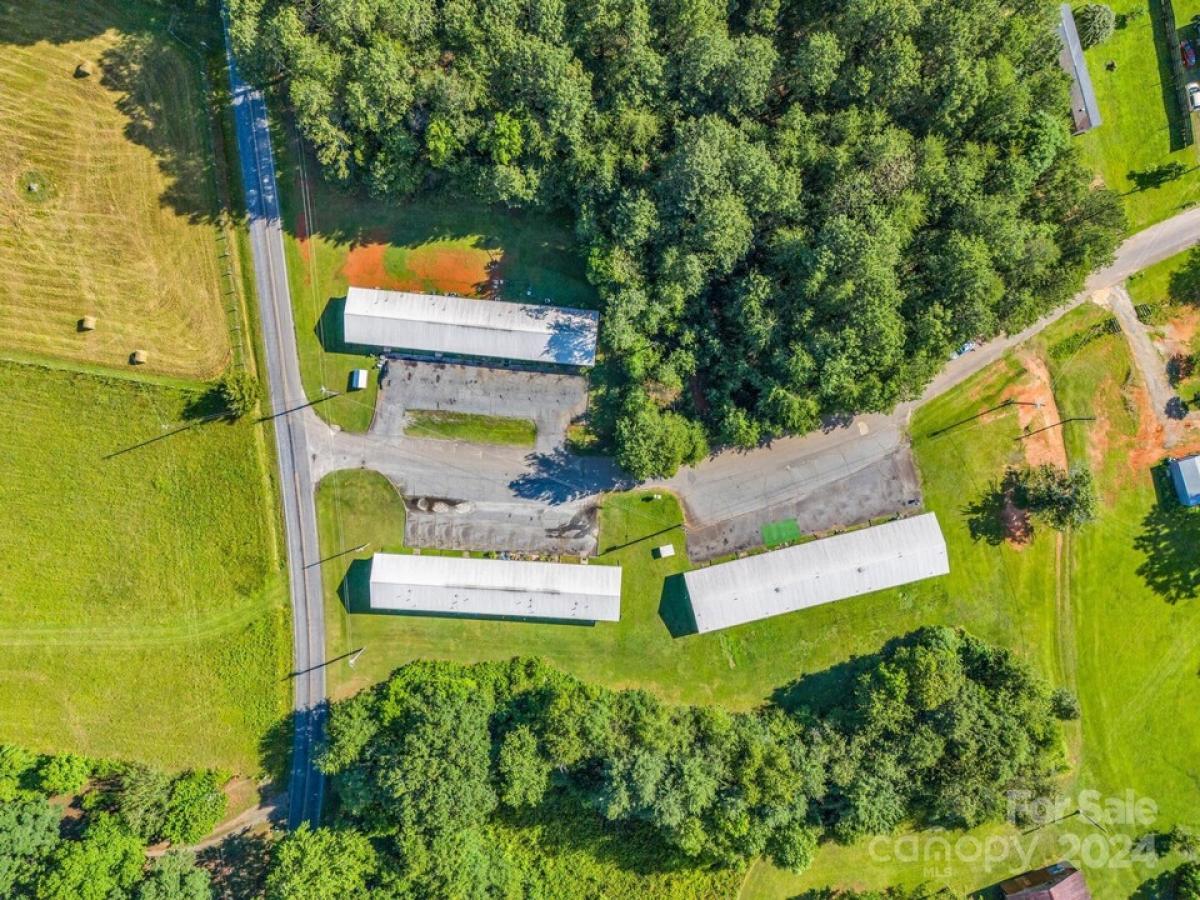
(1186, 474)
(781, 581)
(494, 587)
(455, 325)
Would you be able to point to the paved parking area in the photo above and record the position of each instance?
(519, 526)
(551, 400)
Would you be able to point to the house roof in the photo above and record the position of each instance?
(1060, 881)
(460, 326)
(450, 585)
(1186, 475)
(1085, 110)
(782, 581)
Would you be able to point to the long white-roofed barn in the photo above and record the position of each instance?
(457, 326)
(782, 581)
(450, 585)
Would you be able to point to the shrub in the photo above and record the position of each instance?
(1065, 705)
(65, 774)
(1096, 23)
(239, 392)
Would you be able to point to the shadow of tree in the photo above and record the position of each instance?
(155, 80)
(1148, 179)
(1169, 537)
(238, 865)
(560, 477)
(1184, 286)
(1160, 886)
(996, 517)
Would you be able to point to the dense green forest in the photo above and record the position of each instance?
(932, 730)
(77, 829)
(789, 207)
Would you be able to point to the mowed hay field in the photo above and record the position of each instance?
(442, 245)
(107, 193)
(1112, 612)
(142, 604)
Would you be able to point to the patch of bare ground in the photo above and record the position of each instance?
(1037, 412)
(1017, 527)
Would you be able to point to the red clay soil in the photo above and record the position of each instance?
(458, 270)
(1017, 527)
(1042, 446)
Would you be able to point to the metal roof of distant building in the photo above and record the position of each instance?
(1186, 473)
(461, 326)
(451, 585)
(821, 571)
(1085, 110)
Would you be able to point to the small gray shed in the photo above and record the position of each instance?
(1185, 473)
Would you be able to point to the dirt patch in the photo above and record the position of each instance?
(1017, 527)
(1181, 329)
(1149, 445)
(442, 268)
(1036, 413)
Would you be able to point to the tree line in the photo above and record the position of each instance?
(789, 208)
(95, 848)
(930, 731)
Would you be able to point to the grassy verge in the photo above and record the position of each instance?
(456, 426)
(337, 237)
(126, 224)
(141, 603)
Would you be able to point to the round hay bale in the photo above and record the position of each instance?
(87, 323)
(138, 358)
(84, 69)
(463, 507)
(441, 507)
(422, 504)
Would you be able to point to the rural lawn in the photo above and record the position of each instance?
(337, 237)
(1137, 151)
(456, 426)
(1068, 605)
(107, 190)
(142, 605)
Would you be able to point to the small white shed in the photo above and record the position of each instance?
(358, 379)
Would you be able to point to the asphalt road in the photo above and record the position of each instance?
(286, 392)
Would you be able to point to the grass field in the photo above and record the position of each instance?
(142, 606)
(455, 426)
(442, 245)
(122, 224)
(1135, 150)
(1070, 606)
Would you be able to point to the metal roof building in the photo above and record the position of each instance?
(1185, 474)
(458, 326)
(845, 565)
(450, 585)
(1085, 111)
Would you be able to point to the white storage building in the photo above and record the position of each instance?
(450, 585)
(458, 326)
(845, 565)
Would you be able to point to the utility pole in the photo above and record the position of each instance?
(356, 655)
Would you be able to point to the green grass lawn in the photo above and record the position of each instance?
(142, 607)
(1133, 150)
(456, 426)
(440, 245)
